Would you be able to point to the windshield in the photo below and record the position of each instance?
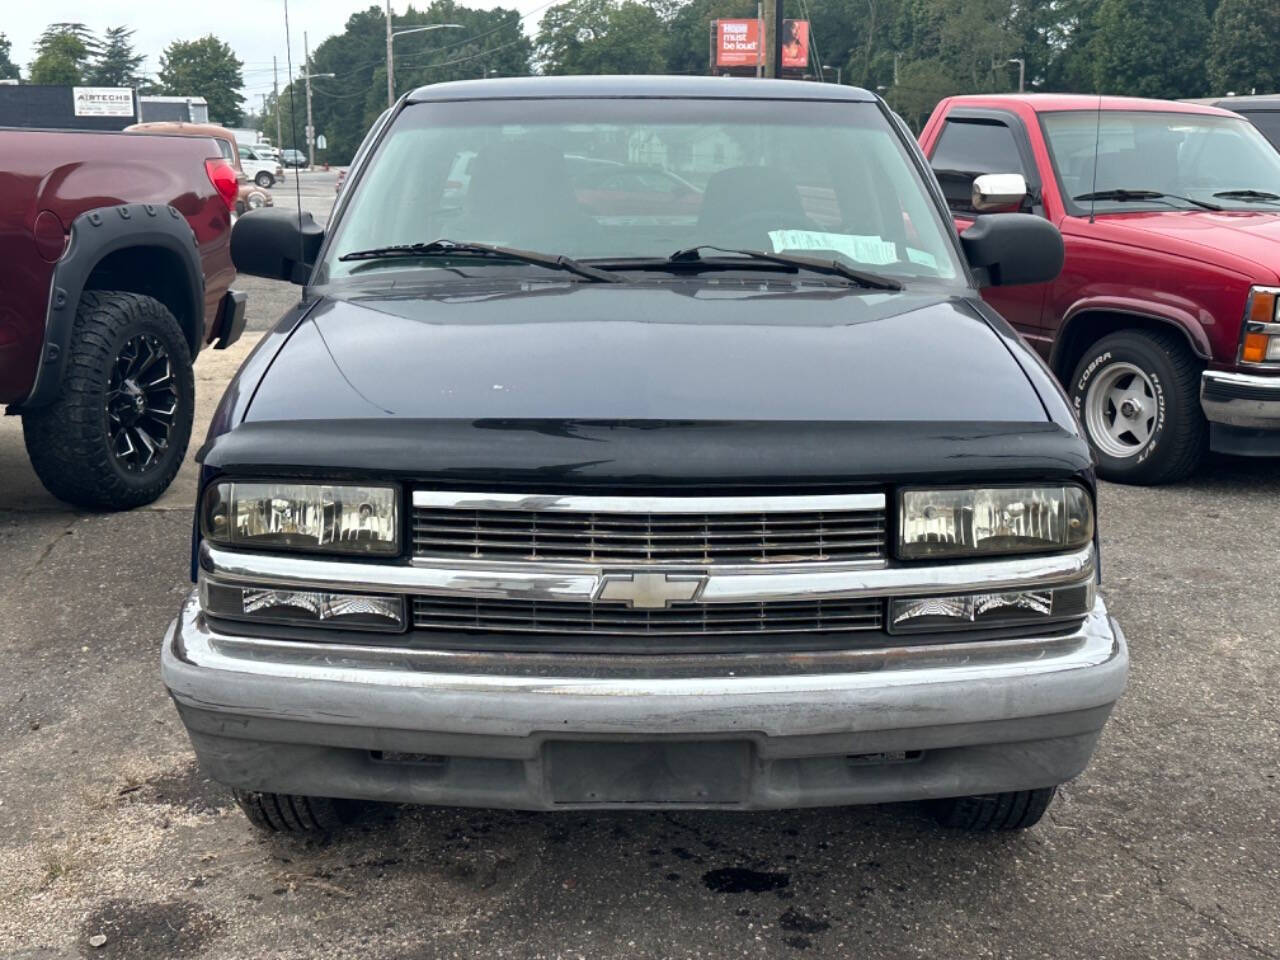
(616, 180)
(1177, 154)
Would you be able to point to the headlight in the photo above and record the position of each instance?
(970, 523)
(1260, 342)
(327, 518)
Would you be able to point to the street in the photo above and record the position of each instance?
(1168, 846)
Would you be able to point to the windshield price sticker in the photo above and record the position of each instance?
(861, 249)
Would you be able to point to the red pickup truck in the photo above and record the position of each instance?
(1163, 324)
(115, 267)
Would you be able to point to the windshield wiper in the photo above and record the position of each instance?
(1126, 196)
(863, 278)
(444, 248)
(1259, 196)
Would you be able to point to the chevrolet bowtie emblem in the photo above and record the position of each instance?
(650, 591)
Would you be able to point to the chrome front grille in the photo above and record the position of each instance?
(649, 530)
(474, 615)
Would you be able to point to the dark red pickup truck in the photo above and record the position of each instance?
(1163, 324)
(115, 269)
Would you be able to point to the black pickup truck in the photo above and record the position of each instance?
(669, 458)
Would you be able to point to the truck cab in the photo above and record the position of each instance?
(1162, 325)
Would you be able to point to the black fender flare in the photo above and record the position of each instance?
(96, 234)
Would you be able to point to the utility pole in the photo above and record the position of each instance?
(759, 40)
(391, 64)
(311, 130)
(777, 37)
(766, 36)
(1022, 73)
(275, 92)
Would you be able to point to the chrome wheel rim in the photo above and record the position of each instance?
(1120, 410)
(141, 404)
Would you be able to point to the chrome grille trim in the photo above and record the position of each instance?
(576, 582)
(550, 503)
(474, 615)
(649, 530)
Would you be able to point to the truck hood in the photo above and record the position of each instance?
(1232, 235)
(677, 351)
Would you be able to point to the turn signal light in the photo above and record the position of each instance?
(967, 612)
(353, 611)
(1262, 305)
(1255, 348)
(1261, 340)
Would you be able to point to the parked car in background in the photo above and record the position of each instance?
(294, 158)
(115, 266)
(264, 168)
(1262, 111)
(249, 196)
(1165, 322)
(755, 506)
(167, 109)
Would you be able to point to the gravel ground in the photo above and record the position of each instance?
(1168, 846)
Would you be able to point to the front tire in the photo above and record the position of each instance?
(293, 813)
(1017, 810)
(264, 179)
(117, 434)
(1137, 395)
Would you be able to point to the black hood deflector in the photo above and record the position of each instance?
(556, 454)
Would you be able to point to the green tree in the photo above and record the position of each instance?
(8, 69)
(63, 53)
(205, 68)
(601, 36)
(116, 64)
(1242, 47)
(1151, 48)
(489, 43)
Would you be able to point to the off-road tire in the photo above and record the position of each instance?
(291, 813)
(1180, 437)
(264, 179)
(68, 440)
(994, 811)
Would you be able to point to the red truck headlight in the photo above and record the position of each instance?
(223, 177)
(1260, 341)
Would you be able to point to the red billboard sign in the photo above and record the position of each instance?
(795, 44)
(738, 43)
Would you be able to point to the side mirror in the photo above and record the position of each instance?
(999, 191)
(276, 244)
(1013, 249)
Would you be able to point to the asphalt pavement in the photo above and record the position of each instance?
(1168, 846)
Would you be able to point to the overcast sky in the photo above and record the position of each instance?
(253, 28)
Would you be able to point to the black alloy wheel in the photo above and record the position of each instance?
(116, 434)
(141, 403)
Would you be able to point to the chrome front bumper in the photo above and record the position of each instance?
(1241, 399)
(549, 732)
(1243, 410)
